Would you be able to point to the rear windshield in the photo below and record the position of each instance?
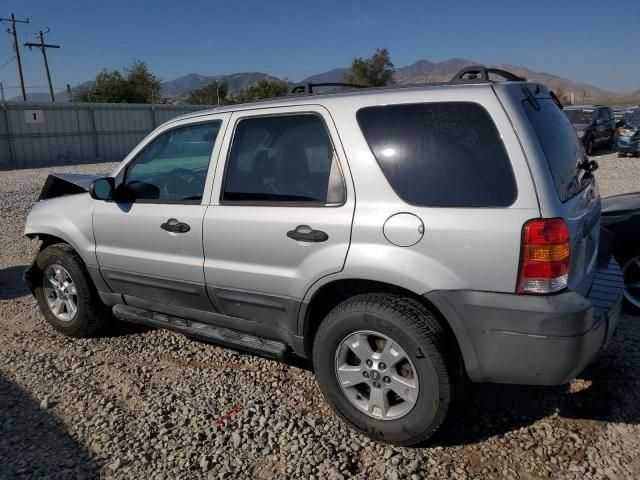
(560, 145)
(445, 154)
(579, 116)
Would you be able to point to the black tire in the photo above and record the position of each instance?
(91, 313)
(620, 155)
(590, 146)
(627, 305)
(416, 330)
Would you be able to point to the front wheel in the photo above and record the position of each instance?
(385, 366)
(65, 294)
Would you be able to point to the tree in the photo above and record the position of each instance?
(376, 71)
(264, 88)
(143, 85)
(137, 84)
(211, 94)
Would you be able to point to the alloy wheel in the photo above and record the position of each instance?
(60, 292)
(376, 375)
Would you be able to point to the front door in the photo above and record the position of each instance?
(281, 213)
(149, 242)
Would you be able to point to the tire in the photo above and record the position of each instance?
(61, 262)
(589, 147)
(631, 274)
(431, 366)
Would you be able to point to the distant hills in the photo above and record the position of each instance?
(420, 72)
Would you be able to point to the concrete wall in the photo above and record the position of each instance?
(39, 134)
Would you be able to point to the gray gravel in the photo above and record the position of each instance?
(142, 403)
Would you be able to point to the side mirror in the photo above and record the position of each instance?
(102, 189)
(599, 121)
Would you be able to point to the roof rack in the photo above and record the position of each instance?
(308, 87)
(468, 75)
(480, 74)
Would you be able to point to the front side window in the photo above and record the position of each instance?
(284, 158)
(173, 167)
(445, 154)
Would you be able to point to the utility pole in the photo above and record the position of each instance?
(17, 49)
(43, 47)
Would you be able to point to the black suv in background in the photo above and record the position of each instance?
(596, 126)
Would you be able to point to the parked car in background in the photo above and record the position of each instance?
(596, 126)
(622, 116)
(628, 135)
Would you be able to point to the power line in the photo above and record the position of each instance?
(16, 48)
(43, 47)
(11, 59)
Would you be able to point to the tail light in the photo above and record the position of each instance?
(544, 258)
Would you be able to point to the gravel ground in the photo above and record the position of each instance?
(143, 403)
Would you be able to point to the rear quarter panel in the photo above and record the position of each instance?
(462, 248)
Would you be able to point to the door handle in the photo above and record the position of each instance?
(173, 225)
(304, 233)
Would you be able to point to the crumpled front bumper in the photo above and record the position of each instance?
(628, 144)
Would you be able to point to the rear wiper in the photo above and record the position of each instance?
(587, 165)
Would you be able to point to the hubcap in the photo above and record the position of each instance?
(60, 292)
(376, 375)
(631, 274)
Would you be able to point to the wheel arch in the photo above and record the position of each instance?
(329, 295)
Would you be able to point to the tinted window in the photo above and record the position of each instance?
(440, 154)
(603, 115)
(173, 167)
(286, 158)
(560, 145)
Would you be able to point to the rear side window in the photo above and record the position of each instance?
(446, 154)
(560, 145)
(284, 158)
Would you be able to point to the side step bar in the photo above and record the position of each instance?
(204, 331)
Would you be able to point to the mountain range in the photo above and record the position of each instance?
(420, 72)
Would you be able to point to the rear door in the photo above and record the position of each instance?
(574, 196)
(280, 215)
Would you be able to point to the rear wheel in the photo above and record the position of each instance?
(385, 366)
(65, 294)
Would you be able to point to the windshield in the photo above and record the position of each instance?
(579, 116)
(560, 145)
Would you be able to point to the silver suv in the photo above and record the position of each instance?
(404, 239)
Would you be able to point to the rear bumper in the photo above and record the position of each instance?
(533, 340)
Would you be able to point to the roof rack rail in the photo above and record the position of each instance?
(308, 87)
(480, 74)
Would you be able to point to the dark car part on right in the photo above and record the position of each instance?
(621, 217)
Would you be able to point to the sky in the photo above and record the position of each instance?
(592, 41)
